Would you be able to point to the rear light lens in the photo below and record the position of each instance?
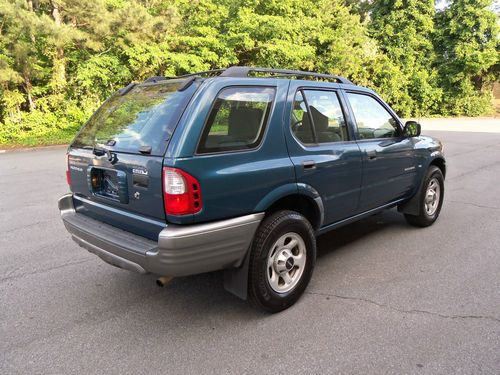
(68, 173)
(181, 192)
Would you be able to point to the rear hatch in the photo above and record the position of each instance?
(115, 162)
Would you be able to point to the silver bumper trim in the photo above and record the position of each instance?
(181, 249)
(110, 257)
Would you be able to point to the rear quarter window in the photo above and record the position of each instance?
(237, 119)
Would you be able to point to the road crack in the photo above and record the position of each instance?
(43, 270)
(474, 204)
(26, 226)
(412, 311)
(478, 169)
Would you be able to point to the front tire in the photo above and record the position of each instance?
(282, 260)
(430, 200)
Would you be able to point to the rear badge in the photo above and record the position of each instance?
(141, 171)
(137, 195)
(78, 169)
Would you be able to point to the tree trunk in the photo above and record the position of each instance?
(59, 77)
(28, 87)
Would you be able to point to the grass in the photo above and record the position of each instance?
(58, 137)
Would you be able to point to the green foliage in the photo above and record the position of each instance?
(59, 59)
(468, 56)
(404, 31)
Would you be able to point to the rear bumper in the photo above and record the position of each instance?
(180, 250)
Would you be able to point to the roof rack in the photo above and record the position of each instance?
(244, 71)
(197, 74)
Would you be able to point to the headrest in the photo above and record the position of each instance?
(244, 122)
(320, 120)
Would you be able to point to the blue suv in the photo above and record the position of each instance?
(240, 170)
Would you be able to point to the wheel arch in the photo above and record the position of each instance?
(440, 163)
(299, 197)
(412, 206)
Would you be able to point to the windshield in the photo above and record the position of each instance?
(144, 118)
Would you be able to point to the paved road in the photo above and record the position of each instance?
(385, 297)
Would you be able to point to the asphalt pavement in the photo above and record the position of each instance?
(385, 297)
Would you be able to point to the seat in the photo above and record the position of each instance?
(244, 123)
(324, 134)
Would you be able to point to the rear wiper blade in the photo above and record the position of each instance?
(99, 151)
(145, 149)
(105, 141)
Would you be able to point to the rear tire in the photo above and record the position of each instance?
(430, 200)
(282, 260)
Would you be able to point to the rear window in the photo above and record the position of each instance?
(144, 117)
(237, 120)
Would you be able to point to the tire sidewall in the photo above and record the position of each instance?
(433, 172)
(270, 299)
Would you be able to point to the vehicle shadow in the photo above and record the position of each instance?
(194, 298)
(338, 239)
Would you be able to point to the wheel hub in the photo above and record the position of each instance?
(432, 196)
(283, 261)
(286, 262)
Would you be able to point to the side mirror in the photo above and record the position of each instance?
(411, 129)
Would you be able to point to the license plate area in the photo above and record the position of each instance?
(108, 183)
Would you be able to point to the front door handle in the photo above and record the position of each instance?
(309, 164)
(372, 154)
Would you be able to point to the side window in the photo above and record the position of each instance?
(324, 109)
(372, 119)
(237, 119)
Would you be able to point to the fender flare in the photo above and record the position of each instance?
(293, 189)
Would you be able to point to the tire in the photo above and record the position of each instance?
(429, 214)
(278, 273)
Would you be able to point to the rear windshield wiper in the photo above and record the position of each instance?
(100, 151)
(145, 149)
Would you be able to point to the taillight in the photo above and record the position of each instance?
(68, 173)
(181, 192)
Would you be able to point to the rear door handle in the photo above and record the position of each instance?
(309, 164)
(372, 154)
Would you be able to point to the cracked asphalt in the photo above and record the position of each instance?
(385, 298)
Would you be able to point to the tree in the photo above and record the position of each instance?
(404, 31)
(468, 47)
(59, 59)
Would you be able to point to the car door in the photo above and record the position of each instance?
(326, 158)
(389, 163)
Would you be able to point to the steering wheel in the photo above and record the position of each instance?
(296, 124)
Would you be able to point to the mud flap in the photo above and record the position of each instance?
(413, 206)
(236, 279)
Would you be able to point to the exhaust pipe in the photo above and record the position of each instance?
(164, 280)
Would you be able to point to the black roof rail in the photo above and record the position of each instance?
(243, 71)
(204, 73)
(154, 79)
(126, 89)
